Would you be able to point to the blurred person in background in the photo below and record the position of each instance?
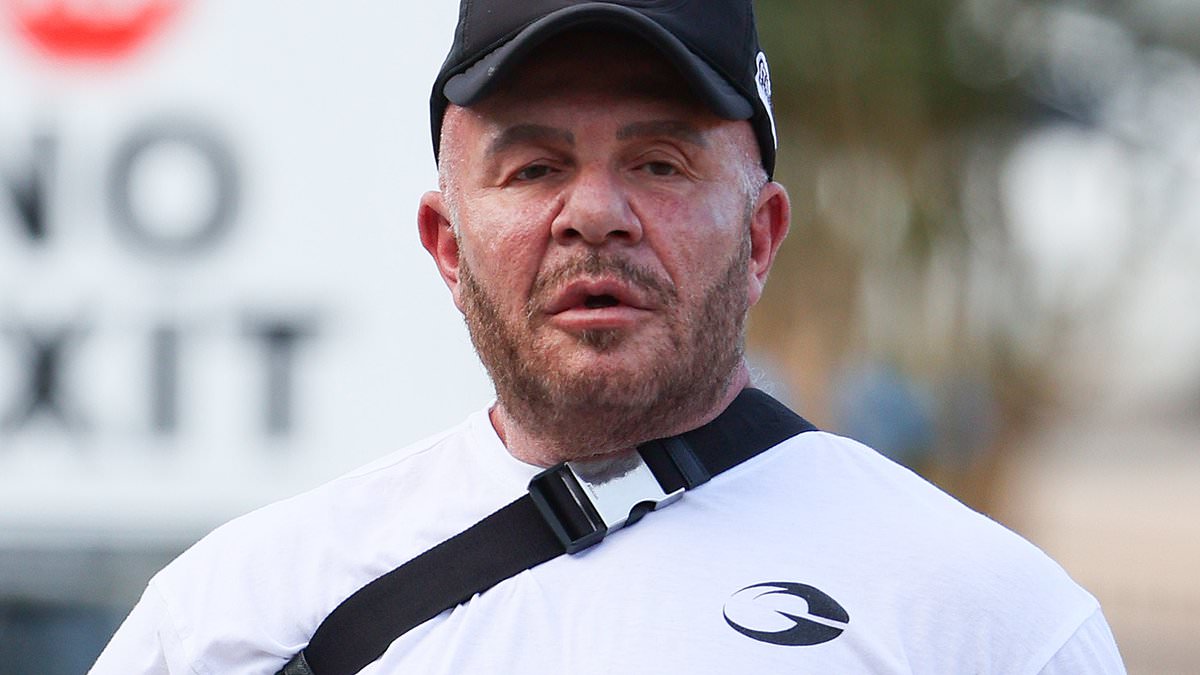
(605, 219)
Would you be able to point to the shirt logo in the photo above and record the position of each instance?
(786, 613)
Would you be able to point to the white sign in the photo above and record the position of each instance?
(212, 292)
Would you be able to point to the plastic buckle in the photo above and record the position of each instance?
(583, 501)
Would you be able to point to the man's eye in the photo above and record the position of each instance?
(660, 169)
(533, 172)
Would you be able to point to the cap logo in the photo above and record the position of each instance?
(762, 78)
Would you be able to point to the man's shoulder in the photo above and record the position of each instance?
(270, 576)
(293, 521)
(865, 507)
(895, 532)
(886, 543)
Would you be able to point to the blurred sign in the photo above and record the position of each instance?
(211, 291)
(73, 29)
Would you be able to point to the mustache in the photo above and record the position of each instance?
(595, 264)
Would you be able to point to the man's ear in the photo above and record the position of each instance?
(437, 236)
(768, 227)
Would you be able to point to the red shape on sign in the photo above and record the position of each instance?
(91, 30)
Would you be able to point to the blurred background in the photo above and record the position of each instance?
(212, 294)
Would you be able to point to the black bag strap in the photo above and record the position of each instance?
(562, 513)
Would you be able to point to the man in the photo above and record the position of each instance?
(605, 220)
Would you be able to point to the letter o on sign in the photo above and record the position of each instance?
(181, 164)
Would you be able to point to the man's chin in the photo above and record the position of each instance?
(606, 344)
(602, 341)
(608, 361)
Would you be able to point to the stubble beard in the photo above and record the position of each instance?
(576, 413)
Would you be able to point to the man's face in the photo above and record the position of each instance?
(603, 219)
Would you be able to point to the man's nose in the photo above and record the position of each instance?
(596, 210)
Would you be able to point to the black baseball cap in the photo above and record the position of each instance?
(713, 44)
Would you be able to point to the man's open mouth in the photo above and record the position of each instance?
(596, 295)
(600, 301)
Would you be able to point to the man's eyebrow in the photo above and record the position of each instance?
(526, 133)
(675, 129)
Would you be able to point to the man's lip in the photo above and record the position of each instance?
(575, 294)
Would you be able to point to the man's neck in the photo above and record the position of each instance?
(544, 452)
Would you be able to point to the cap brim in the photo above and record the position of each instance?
(482, 77)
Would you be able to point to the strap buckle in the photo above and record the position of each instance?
(583, 501)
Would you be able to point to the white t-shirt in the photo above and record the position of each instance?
(819, 541)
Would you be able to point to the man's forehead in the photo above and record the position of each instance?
(503, 138)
